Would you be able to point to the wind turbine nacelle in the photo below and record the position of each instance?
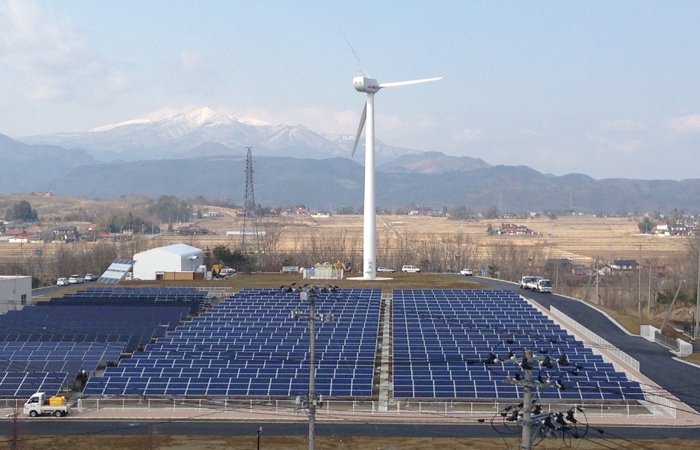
(364, 84)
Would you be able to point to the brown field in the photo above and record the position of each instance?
(580, 238)
(162, 442)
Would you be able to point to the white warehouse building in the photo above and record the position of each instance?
(172, 258)
(15, 292)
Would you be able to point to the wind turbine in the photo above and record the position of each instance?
(371, 87)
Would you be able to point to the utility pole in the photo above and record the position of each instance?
(311, 401)
(526, 440)
(696, 330)
(649, 298)
(680, 285)
(597, 298)
(311, 297)
(639, 286)
(527, 421)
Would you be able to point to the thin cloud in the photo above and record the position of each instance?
(685, 124)
(468, 135)
(46, 57)
(630, 146)
(622, 125)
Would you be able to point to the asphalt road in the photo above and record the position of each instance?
(65, 427)
(655, 361)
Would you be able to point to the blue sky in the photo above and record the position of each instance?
(609, 89)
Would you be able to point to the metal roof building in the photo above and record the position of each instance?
(172, 258)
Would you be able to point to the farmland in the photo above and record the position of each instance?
(401, 239)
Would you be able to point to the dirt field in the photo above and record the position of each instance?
(580, 238)
(152, 442)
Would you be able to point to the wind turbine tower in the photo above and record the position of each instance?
(370, 86)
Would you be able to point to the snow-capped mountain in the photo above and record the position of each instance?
(183, 134)
(383, 151)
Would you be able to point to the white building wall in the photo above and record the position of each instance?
(15, 292)
(173, 258)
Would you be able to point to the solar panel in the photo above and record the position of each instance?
(117, 271)
(248, 345)
(24, 384)
(442, 337)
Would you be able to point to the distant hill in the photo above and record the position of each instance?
(432, 162)
(202, 152)
(23, 168)
(338, 182)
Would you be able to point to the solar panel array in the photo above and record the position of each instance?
(134, 326)
(71, 368)
(249, 345)
(117, 271)
(66, 335)
(24, 384)
(442, 337)
(88, 354)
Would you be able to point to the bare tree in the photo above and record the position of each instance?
(14, 438)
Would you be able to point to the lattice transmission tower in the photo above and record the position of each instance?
(250, 220)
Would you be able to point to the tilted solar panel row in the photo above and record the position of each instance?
(24, 384)
(260, 364)
(71, 368)
(174, 386)
(193, 306)
(443, 338)
(179, 290)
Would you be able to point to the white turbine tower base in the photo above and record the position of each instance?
(371, 86)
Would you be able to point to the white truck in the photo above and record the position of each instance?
(542, 285)
(526, 281)
(38, 405)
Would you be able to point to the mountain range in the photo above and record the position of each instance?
(202, 152)
(203, 132)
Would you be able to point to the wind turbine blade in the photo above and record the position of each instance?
(404, 83)
(359, 61)
(359, 129)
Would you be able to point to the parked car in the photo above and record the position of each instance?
(91, 277)
(410, 269)
(385, 270)
(466, 272)
(62, 282)
(76, 279)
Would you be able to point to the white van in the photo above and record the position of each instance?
(410, 269)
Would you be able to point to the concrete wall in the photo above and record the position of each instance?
(15, 292)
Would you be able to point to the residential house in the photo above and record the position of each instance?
(624, 265)
(65, 233)
(679, 229)
(660, 228)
